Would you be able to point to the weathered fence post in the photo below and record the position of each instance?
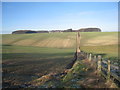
(99, 64)
(87, 56)
(108, 72)
(95, 58)
(90, 57)
(78, 43)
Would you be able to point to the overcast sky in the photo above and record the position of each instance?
(59, 15)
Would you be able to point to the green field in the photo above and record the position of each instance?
(96, 42)
(61, 40)
(29, 56)
(23, 64)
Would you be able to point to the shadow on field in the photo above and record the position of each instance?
(6, 45)
(34, 55)
(20, 68)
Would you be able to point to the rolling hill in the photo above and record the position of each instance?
(27, 57)
(61, 40)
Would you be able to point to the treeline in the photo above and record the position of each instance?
(68, 30)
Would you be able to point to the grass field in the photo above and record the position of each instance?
(29, 56)
(25, 63)
(96, 42)
(61, 40)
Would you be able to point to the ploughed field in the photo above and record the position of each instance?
(27, 57)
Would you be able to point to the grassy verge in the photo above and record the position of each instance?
(74, 75)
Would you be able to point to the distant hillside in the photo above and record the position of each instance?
(61, 40)
(68, 30)
(23, 31)
(90, 30)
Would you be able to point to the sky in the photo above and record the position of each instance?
(59, 16)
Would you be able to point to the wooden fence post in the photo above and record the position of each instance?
(87, 55)
(95, 58)
(99, 65)
(108, 72)
(90, 57)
